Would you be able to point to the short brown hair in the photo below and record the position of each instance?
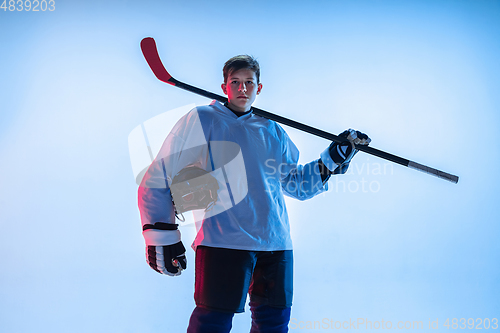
(241, 62)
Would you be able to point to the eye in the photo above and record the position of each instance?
(249, 82)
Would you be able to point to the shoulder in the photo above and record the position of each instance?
(214, 110)
(204, 109)
(194, 119)
(200, 113)
(273, 127)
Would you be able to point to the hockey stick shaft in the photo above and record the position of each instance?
(150, 52)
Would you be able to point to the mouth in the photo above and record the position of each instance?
(244, 97)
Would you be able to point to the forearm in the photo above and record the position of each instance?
(304, 181)
(324, 172)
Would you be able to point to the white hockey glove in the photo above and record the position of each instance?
(338, 155)
(168, 258)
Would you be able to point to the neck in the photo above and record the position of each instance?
(237, 113)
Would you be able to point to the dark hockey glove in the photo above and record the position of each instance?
(167, 259)
(338, 155)
(165, 252)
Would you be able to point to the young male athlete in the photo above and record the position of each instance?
(236, 166)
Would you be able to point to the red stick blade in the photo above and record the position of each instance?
(148, 47)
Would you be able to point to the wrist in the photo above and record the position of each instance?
(327, 160)
(156, 237)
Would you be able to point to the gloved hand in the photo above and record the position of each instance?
(165, 252)
(167, 259)
(338, 155)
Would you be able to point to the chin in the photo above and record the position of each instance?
(242, 105)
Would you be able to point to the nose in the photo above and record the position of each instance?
(242, 87)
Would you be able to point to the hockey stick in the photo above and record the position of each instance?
(150, 52)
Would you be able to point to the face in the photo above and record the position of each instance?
(241, 89)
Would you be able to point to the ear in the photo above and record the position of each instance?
(224, 88)
(259, 88)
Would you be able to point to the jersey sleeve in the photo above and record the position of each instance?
(298, 181)
(185, 145)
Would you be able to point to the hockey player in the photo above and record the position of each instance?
(243, 244)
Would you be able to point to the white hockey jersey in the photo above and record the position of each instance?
(255, 164)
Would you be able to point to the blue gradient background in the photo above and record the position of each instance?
(420, 77)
